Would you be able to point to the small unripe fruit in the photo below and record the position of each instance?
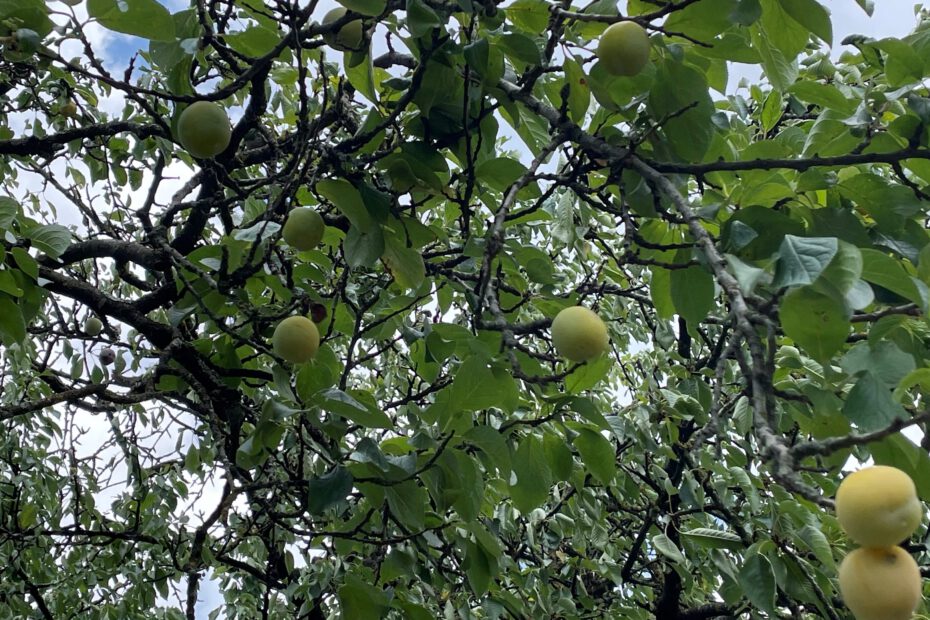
(203, 129)
(880, 584)
(69, 109)
(349, 38)
(107, 356)
(296, 339)
(303, 229)
(93, 326)
(878, 506)
(27, 41)
(579, 334)
(624, 48)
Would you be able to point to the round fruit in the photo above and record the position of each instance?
(349, 37)
(27, 41)
(624, 48)
(878, 506)
(303, 229)
(579, 334)
(107, 356)
(296, 339)
(93, 326)
(203, 129)
(69, 109)
(880, 584)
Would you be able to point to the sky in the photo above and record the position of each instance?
(891, 18)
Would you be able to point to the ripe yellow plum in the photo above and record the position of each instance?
(880, 583)
(878, 506)
(579, 334)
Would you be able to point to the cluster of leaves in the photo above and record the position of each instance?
(761, 258)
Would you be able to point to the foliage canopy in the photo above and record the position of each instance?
(760, 256)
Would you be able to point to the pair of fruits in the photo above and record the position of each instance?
(878, 508)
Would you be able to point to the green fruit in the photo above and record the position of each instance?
(303, 229)
(93, 326)
(349, 38)
(203, 129)
(69, 109)
(27, 41)
(624, 48)
(579, 334)
(296, 339)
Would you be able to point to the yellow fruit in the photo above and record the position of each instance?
(579, 334)
(303, 229)
(624, 48)
(69, 109)
(349, 37)
(296, 339)
(203, 129)
(93, 326)
(880, 584)
(878, 506)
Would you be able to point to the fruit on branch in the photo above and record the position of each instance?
(27, 41)
(296, 339)
(579, 334)
(203, 129)
(878, 506)
(93, 326)
(880, 583)
(303, 229)
(349, 38)
(107, 356)
(624, 48)
(69, 109)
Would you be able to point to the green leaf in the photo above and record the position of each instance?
(533, 475)
(421, 19)
(884, 359)
(328, 490)
(869, 404)
(899, 451)
(558, 456)
(579, 94)
(714, 539)
(12, 325)
(692, 292)
(358, 599)
(142, 18)
(408, 502)
(405, 264)
(478, 568)
(920, 376)
(812, 15)
(817, 542)
(475, 387)
(343, 404)
(748, 276)
(53, 239)
(500, 172)
(348, 200)
(679, 98)
(491, 442)
(757, 579)
(801, 260)
(664, 545)
(31, 14)
(879, 268)
(817, 323)
(365, 7)
(597, 453)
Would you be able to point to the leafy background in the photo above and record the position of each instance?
(761, 258)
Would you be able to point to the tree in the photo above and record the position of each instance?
(761, 260)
